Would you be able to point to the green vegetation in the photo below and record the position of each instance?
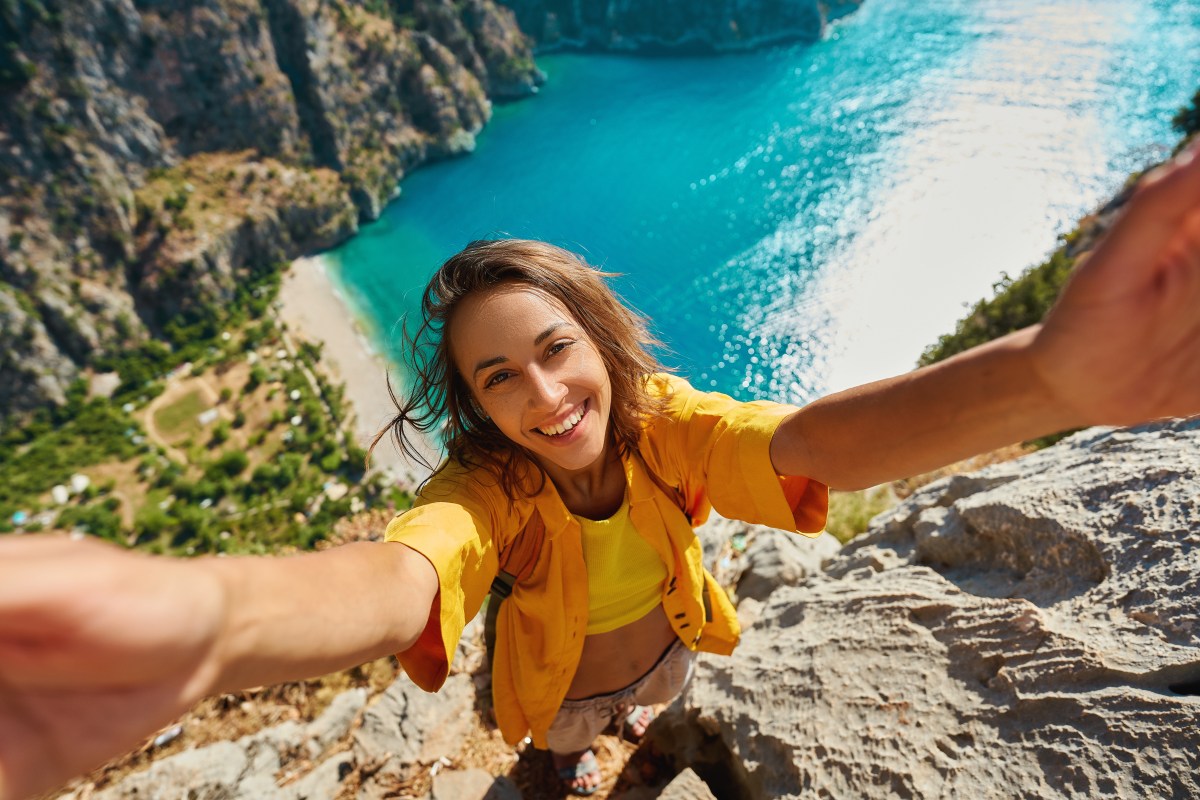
(255, 489)
(179, 418)
(849, 512)
(95, 432)
(515, 69)
(98, 519)
(1187, 121)
(255, 485)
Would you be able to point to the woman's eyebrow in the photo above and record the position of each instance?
(491, 362)
(541, 337)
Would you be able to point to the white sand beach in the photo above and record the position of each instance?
(315, 309)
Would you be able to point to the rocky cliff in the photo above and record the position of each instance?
(1028, 630)
(152, 153)
(660, 26)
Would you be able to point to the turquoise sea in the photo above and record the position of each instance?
(808, 217)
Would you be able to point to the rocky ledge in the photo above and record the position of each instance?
(1030, 629)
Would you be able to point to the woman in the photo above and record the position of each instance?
(99, 647)
(566, 441)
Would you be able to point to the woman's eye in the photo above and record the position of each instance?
(558, 347)
(496, 379)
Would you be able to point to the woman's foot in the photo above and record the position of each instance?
(636, 723)
(578, 771)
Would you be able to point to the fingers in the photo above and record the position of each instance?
(1173, 184)
(1164, 197)
(1149, 227)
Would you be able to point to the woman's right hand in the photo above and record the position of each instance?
(99, 648)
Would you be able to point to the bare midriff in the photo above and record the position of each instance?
(615, 659)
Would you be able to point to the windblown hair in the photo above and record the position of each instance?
(440, 398)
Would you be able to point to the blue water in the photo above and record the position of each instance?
(805, 218)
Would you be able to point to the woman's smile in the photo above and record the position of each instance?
(561, 430)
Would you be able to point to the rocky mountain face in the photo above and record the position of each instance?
(153, 152)
(1028, 630)
(658, 26)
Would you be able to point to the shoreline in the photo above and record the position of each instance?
(315, 308)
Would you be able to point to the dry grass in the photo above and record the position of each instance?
(908, 486)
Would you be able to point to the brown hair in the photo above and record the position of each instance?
(439, 395)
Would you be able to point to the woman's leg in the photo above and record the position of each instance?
(570, 737)
(661, 684)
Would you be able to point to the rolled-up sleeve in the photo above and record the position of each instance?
(725, 445)
(453, 528)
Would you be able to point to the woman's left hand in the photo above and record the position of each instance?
(1122, 345)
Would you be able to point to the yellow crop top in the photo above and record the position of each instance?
(625, 574)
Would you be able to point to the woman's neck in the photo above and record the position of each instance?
(596, 491)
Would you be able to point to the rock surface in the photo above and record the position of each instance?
(654, 26)
(1032, 625)
(152, 154)
(687, 786)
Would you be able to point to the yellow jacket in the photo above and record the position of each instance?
(712, 449)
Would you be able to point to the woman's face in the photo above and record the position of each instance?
(534, 371)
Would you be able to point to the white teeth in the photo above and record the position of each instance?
(564, 426)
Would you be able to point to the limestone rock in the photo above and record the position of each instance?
(776, 558)
(756, 559)
(104, 98)
(687, 786)
(1033, 625)
(249, 768)
(336, 721)
(472, 784)
(407, 724)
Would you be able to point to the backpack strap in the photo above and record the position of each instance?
(516, 563)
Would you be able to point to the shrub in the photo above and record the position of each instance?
(220, 434)
(1017, 304)
(258, 376)
(231, 463)
(151, 522)
(95, 519)
(1187, 121)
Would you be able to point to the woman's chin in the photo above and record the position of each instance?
(575, 459)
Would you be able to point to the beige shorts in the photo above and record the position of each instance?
(579, 722)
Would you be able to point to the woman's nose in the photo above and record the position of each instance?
(547, 392)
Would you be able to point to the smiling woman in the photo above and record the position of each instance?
(445, 384)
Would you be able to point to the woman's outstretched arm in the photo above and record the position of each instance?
(100, 647)
(1121, 346)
